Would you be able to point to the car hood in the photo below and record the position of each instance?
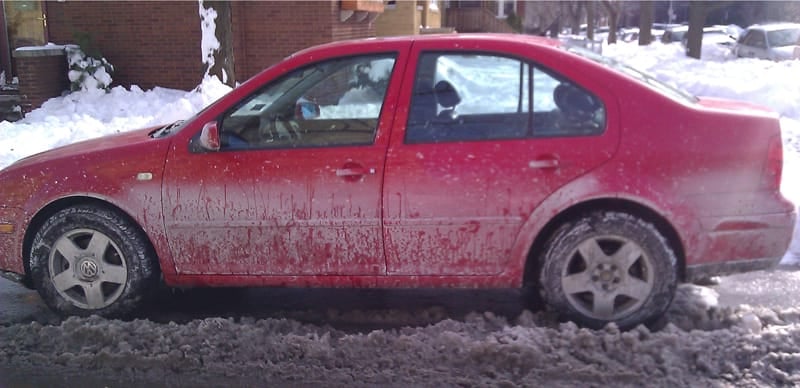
(104, 143)
(736, 106)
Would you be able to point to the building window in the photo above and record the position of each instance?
(505, 8)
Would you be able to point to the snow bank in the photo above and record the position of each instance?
(92, 113)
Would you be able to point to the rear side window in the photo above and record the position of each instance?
(783, 38)
(460, 97)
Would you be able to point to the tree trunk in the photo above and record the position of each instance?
(590, 16)
(554, 28)
(646, 22)
(574, 11)
(223, 58)
(576, 26)
(698, 10)
(612, 6)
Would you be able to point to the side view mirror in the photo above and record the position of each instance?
(209, 137)
(306, 110)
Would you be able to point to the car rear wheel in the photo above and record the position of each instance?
(608, 267)
(91, 260)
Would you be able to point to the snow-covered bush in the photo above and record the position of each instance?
(87, 72)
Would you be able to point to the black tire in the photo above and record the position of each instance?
(90, 260)
(608, 267)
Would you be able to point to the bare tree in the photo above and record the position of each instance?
(590, 22)
(574, 11)
(613, 8)
(646, 16)
(698, 11)
(540, 16)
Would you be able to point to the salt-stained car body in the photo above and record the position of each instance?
(438, 161)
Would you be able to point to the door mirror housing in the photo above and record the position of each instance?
(209, 137)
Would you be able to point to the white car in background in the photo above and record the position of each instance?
(776, 42)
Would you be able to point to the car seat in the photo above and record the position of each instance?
(448, 98)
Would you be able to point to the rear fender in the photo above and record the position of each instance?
(588, 193)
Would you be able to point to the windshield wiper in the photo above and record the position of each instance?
(167, 129)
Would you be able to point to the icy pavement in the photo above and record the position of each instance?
(700, 344)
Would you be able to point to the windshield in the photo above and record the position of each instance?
(661, 87)
(781, 38)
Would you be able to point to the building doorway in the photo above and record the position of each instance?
(24, 24)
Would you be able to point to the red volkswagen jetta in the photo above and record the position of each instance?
(470, 161)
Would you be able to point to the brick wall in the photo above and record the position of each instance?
(158, 43)
(403, 19)
(149, 43)
(433, 18)
(267, 32)
(42, 75)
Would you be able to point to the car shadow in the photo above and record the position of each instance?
(343, 309)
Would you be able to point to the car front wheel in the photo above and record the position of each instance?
(609, 267)
(91, 260)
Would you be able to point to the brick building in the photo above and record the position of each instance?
(158, 43)
(410, 18)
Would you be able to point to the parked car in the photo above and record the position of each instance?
(470, 161)
(775, 42)
(720, 36)
(674, 33)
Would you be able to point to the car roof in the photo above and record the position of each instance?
(493, 37)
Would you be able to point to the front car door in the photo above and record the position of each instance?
(488, 136)
(754, 45)
(295, 187)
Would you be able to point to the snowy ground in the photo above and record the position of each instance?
(701, 343)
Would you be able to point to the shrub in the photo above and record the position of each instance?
(88, 70)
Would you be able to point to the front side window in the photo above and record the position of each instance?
(332, 103)
(755, 39)
(459, 97)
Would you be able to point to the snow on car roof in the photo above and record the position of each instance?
(774, 26)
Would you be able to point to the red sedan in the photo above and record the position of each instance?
(470, 161)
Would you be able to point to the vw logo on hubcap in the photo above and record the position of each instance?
(88, 268)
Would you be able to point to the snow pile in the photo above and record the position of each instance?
(87, 114)
(209, 42)
(702, 347)
(771, 84)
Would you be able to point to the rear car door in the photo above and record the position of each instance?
(488, 135)
(295, 187)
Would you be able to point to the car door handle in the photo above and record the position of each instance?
(543, 163)
(354, 171)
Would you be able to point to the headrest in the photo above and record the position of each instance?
(446, 94)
